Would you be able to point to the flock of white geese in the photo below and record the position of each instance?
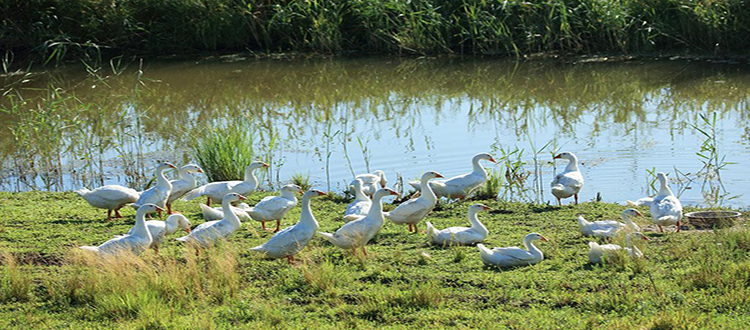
(364, 217)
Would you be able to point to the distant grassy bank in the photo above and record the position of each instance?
(688, 280)
(60, 28)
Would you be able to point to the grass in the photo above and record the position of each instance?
(55, 29)
(224, 153)
(691, 280)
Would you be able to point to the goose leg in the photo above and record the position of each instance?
(278, 225)
(660, 229)
(410, 228)
(290, 259)
(117, 214)
(576, 197)
(169, 208)
(559, 202)
(109, 215)
(156, 249)
(678, 226)
(208, 201)
(363, 250)
(263, 225)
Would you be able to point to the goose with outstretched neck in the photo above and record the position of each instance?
(136, 241)
(570, 181)
(159, 193)
(288, 242)
(183, 185)
(210, 232)
(460, 186)
(666, 209)
(356, 233)
(217, 190)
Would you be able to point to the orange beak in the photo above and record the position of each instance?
(187, 230)
(200, 170)
(438, 175)
(492, 160)
(544, 239)
(486, 208)
(242, 198)
(638, 214)
(320, 193)
(646, 238)
(557, 157)
(265, 165)
(159, 209)
(172, 166)
(393, 192)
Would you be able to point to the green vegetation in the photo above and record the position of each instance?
(58, 28)
(224, 152)
(690, 280)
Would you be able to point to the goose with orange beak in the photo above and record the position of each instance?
(208, 233)
(460, 186)
(183, 185)
(461, 235)
(514, 256)
(159, 193)
(413, 211)
(217, 190)
(570, 181)
(136, 241)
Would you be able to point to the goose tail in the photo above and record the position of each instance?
(259, 248)
(193, 194)
(416, 185)
(89, 248)
(83, 191)
(209, 213)
(328, 237)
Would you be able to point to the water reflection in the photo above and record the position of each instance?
(418, 114)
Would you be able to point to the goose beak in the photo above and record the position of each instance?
(393, 192)
(187, 230)
(492, 160)
(544, 239)
(645, 238)
(242, 198)
(301, 191)
(172, 166)
(638, 213)
(320, 193)
(200, 170)
(557, 157)
(438, 175)
(486, 208)
(265, 165)
(159, 209)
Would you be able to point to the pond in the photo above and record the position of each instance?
(79, 126)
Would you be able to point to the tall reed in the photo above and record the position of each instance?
(224, 152)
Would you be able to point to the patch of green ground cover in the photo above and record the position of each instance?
(690, 280)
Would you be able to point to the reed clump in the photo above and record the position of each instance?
(512, 27)
(224, 152)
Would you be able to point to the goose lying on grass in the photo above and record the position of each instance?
(599, 253)
(286, 243)
(513, 256)
(136, 241)
(609, 228)
(461, 235)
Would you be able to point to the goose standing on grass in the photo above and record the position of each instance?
(599, 253)
(217, 190)
(570, 181)
(462, 185)
(110, 197)
(136, 241)
(275, 207)
(160, 229)
(609, 228)
(185, 184)
(209, 232)
(666, 209)
(358, 232)
(371, 182)
(513, 256)
(159, 193)
(286, 243)
(217, 213)
(413, 211)
(461, 235)
(361, 204)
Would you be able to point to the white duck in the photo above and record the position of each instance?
(462, 185)
(513, 256)
(137, 241)
(570, 181)
(666, 208)
(286, 243)
(182, 186)
(159, 193)
(361, 204)
(461, 235)
(110, 197)
(645, 201)
(371, 182)
(217, 190)
(160, 229)
(598, 253)
(269, 208)
(413, 211)
(609, 228)
(209, 232)
(358, 232)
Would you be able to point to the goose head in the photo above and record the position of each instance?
(381, 175)
(312, 193)
(566, 155)
(476, 208)
(662, 177)
(630, 213)
(149, 208)
(256, 165)
(233, 197)
(484, 156)
(292, 188)
(431, 175)
(191, 168)
(385, 192)
(165, 166)
(534, 237)
(181, 222)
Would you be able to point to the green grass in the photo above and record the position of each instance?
(690, 280)
(224, 153)
(55, 29)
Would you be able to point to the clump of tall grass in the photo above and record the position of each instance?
(224, 152)
(15, 284)
(302, 180)
(491, 187)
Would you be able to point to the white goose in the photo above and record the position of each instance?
(645, 201)
(461, 235)
(159, 193)
(217, 213)
(358, 232)
(462, 185)
(209, 232)
(513, 256)
(110, 197)
(269, 208)
(371, 182)
(666, 209)
(361, 204)
(286, 243)
(413, 211)
(217, 190)
(137, 241)
(570, 181)
(599, 253)
(609, 228)
(182, 186)
(160, 229)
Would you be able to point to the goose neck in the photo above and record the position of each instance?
(664, 189)
(250, 177)
(427, 192)
(140, 224)
(359, 195)
(186, 176)
(307, 216)
(376, 209)
(474, 220)
(161, 178)
(572, 164)
(529, 243)
(477, 168)
(226, 207)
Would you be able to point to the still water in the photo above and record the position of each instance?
(402, 116)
